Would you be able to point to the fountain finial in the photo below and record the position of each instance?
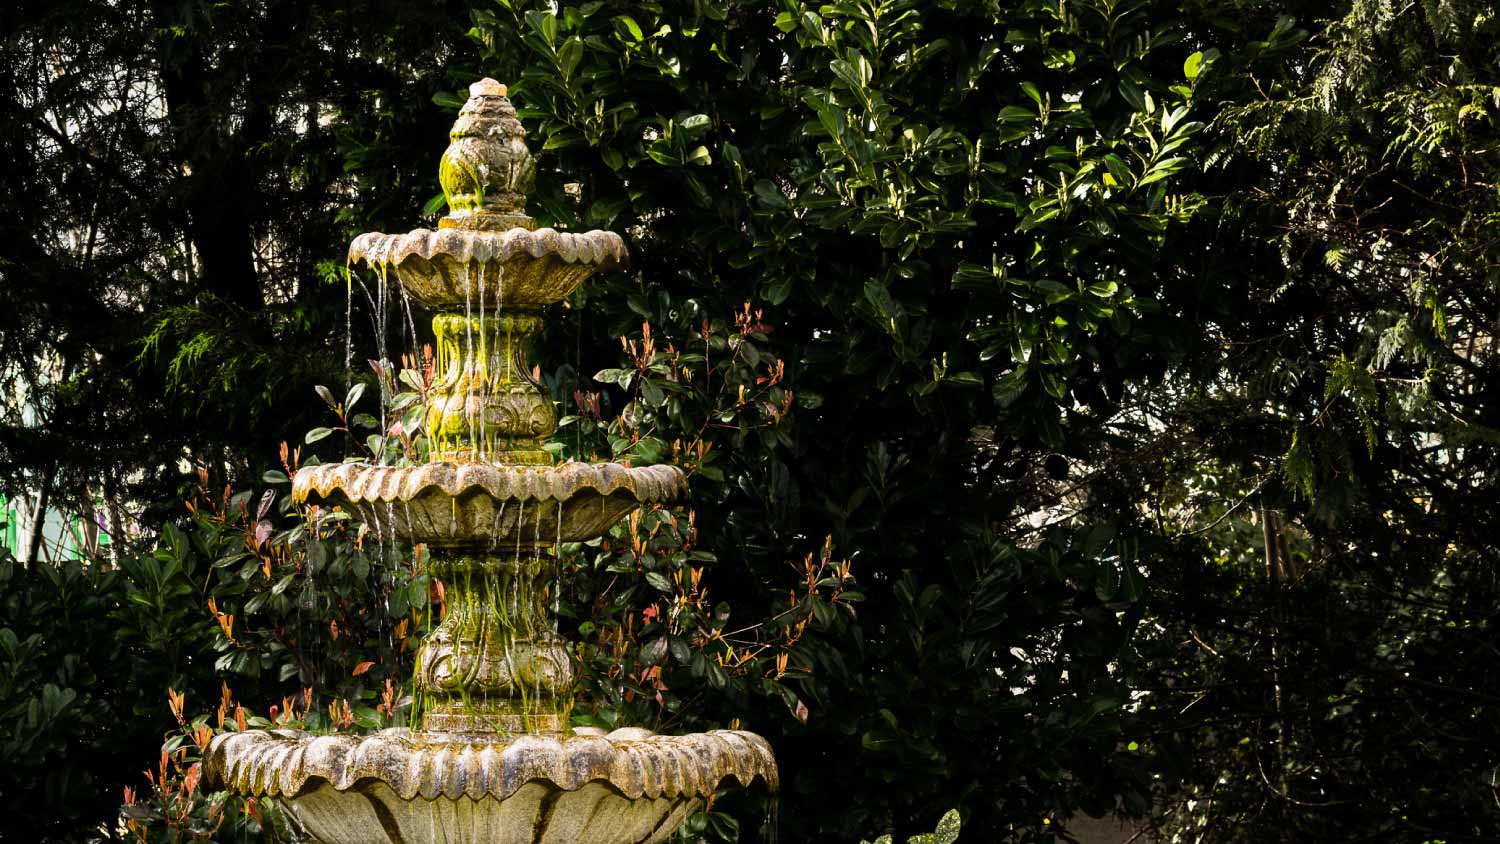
(487, 170)
(487, 87)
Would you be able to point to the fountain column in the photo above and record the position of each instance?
(494, 664)
(486, 406)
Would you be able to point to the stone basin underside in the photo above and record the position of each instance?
(458, 270)
(484, 505)
(400, 786)
(538, 813)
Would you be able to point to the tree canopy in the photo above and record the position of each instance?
(1088, 407)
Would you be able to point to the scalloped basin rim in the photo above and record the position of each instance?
(465, 245)
(313, 783)
(434, 766)
(363, 482)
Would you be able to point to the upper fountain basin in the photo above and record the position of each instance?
(485, 505)
(454, 268)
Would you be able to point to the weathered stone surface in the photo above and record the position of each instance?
(494, 663)
(633, 763)
(486, 171)
(538, 814)
(485, 406)
(485, 506)
(448, 268)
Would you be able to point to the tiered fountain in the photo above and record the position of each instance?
(495, 760)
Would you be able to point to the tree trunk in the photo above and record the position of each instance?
(219, 193)
(87, 531)
(39, 517)
(116, 530)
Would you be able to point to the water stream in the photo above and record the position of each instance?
(348, 327)
(485, 369)
(466, 382)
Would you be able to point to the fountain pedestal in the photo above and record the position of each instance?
(495, 760)
(483, 382)
(494, 664)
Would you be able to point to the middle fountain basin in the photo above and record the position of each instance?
(483, 505)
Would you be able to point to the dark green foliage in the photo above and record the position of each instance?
(175, 173)
(87, 656)
(1328, 580)
(945, 216)
(305, 616)
(1088, 406)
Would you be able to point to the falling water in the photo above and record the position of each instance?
(377, 325)
(390, 519)
(382, 354)
(536, 552)
(484, 371)
(536, 531)
(379, 533)
(414, 714)
(382, 314)
(516, 581)
(414, 341)
(411, 324)
(520, 519)
(557, 570)
(577, 380)
(348, 326)
(495, 528)
(500, 309)
(468, 383)
(514, 597)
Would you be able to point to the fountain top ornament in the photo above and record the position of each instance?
(496, 759)
(486, 174)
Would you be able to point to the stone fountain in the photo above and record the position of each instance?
(495, 759)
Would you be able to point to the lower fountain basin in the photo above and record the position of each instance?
(399, 786)
(486, 505)
(536, 814)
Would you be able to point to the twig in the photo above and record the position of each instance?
(1227, 513)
